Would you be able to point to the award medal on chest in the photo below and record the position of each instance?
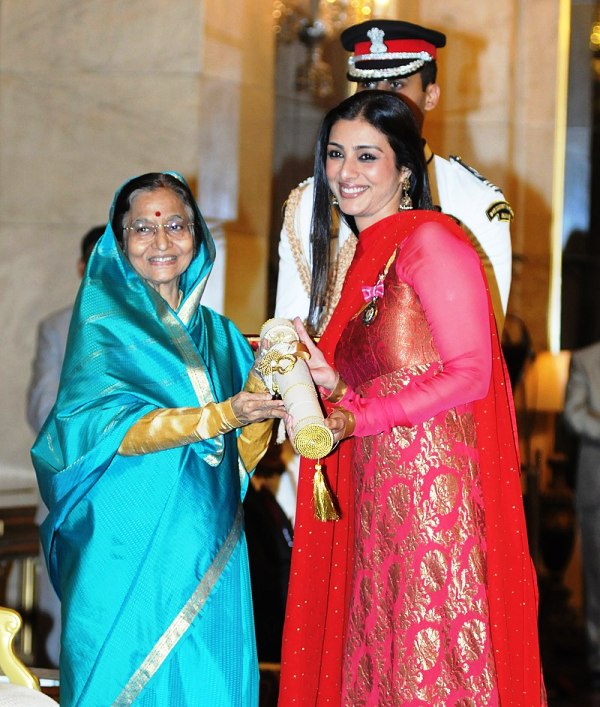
(373, 294)
(370, 312)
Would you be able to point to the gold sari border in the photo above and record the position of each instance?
(183, 620)
(193, 363)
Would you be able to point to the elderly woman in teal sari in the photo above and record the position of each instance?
(143, 464)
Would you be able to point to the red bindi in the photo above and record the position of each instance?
(157, 213)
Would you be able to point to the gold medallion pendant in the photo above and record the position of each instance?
(370, 313)
(374, 293)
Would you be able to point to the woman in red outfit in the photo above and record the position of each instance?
(423, 592)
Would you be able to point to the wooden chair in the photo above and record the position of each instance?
(23, 687)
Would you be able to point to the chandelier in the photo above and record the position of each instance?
(311, 23)
(595, 48)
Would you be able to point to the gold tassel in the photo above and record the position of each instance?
(324, 501)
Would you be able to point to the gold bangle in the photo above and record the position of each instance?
(350, 422)
(338, 392)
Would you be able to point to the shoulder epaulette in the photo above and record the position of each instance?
(500, 209)
(474, 172)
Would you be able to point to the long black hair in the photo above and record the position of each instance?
(149, 182)
(391, 115)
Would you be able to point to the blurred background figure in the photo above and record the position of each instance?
(582, 414)
(399, 57)
(269, 534)
(41, 395)
(50, 348)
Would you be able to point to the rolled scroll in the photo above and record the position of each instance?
(282, 362)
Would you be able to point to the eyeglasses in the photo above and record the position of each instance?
(146, 230)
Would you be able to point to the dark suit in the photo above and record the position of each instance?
(269, 536)
(47, 365)
(582, 414)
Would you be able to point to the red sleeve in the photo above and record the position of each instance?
(446, 274)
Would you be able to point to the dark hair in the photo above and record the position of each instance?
(391, 115)
(150, 182)
(89, 241)
(428, 73)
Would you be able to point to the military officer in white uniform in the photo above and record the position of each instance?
(396, 56)
(400, 57)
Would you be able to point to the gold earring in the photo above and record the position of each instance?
(332, 199)
(405, 200)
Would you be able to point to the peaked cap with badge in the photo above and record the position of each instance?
(387, 49)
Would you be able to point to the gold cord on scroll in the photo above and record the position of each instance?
(282, 363)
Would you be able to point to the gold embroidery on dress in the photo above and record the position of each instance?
(444, 478)
(427, 648)
(444, 493)
(419, 563)
(471, 641)
(434, 571)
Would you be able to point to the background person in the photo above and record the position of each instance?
(41, 395)
(50, 347)
(582, 414)
(424, 591)
(270, 535)
(143, 466)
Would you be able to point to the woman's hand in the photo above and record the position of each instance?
(337, 422)
(322, 373)
(254, 407)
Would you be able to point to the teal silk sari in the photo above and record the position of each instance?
(147, 552)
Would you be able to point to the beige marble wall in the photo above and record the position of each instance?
(95, 91)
